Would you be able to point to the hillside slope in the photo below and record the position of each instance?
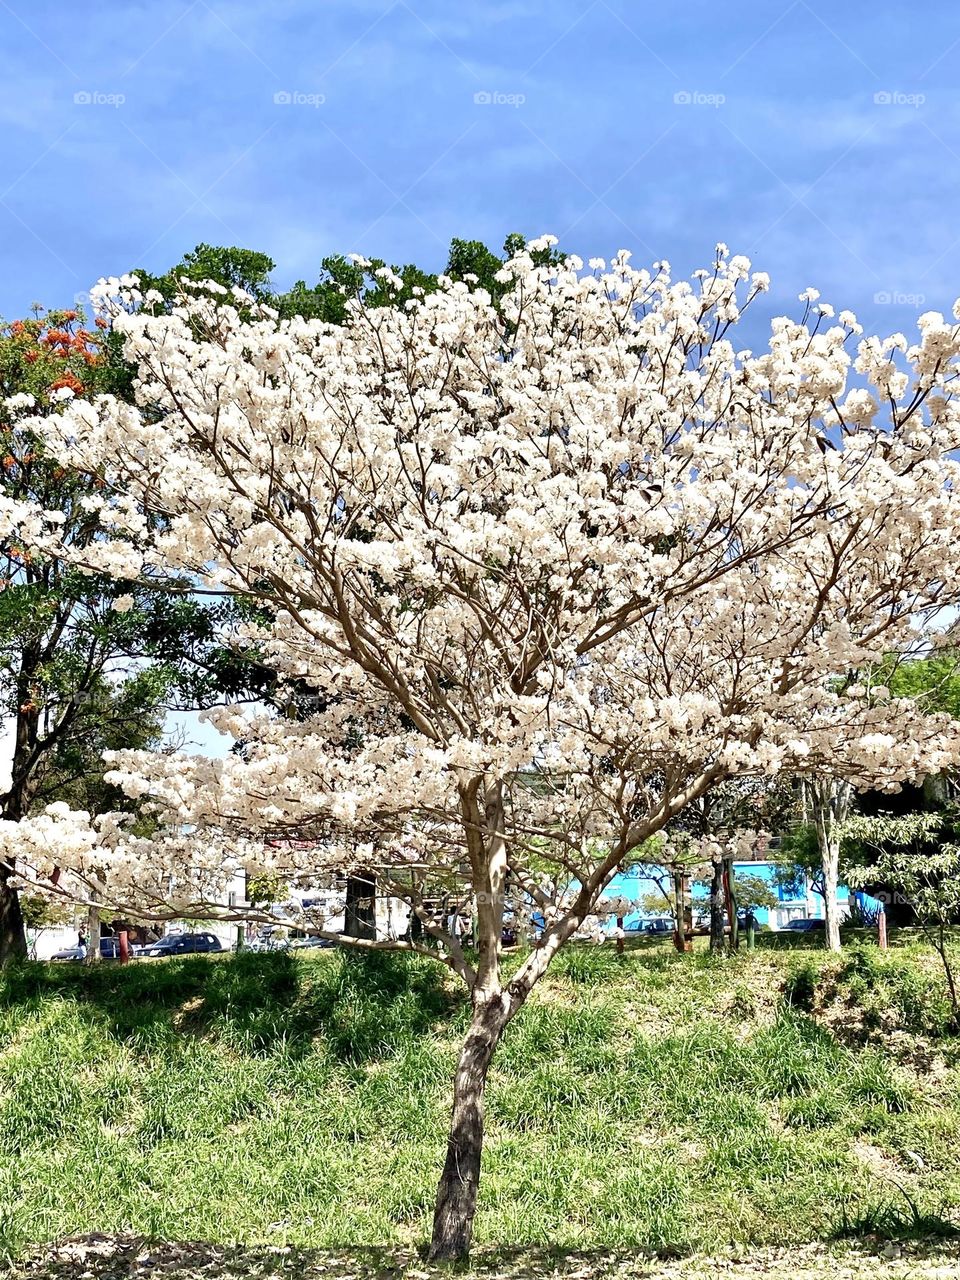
(657, 1101)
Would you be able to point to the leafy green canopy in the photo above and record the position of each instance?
(340, 277)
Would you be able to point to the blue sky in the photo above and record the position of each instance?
(820, 139)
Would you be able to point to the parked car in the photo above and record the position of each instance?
(806, 924)
(181, 944)
(109, 950)
(300, 943)
(270, 938)
(660, 925)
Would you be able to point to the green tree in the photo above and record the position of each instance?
(113, 714)
(55, 623)
(828, 802)
(340, 278)
(918, 856)
(230, 267)
(740, 805)
(934, 681)
(754, 893)
(73, 646)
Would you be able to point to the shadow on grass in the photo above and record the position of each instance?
(100, 1257)
(362, 1005)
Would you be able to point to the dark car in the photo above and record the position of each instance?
(807, 924)
(181, 944)
(109, 950)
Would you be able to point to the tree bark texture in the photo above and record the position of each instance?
(93, 935)
(360, 913)
(456, 1203)
(717, 907)
(13, 937)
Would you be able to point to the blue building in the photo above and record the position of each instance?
(795, 901)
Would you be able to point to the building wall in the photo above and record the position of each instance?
(47, 942)
(634, 884)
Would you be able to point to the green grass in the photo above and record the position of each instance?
(655, 1100)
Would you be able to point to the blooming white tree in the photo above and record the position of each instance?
(553, 568)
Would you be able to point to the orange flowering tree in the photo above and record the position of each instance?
(63, 693)
(88, 663)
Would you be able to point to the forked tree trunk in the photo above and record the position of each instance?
(456, 1203)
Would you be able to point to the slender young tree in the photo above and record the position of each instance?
(932, 682)
(918, 856)
(830, 801)
(555, 566)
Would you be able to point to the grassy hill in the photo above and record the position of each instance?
(655, 1100)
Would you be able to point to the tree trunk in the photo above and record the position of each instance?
(831, 806)
(940, 946)
(482, 804)
(15, 802)
(683, 934)
(830, 854)
(13, 936)
(716, 907)
(456, 1202)
(733, 910)
(93, 935)
(751, 929)
(360, 912)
